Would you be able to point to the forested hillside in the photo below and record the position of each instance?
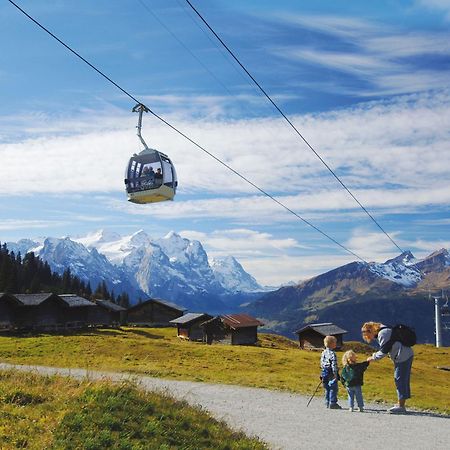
(30, 274)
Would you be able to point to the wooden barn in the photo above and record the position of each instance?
(48, 311)
(8, 307)
(107, 313)
(76, 310)
(154, 312)
(234, 329)
(188, 326)
(39, 311)
(311, 336)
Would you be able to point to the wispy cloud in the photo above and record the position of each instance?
(392, 155)
(438, 5)
(23, 224)
(377, 55)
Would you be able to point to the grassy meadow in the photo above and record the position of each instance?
(58, 413)
(276, 363)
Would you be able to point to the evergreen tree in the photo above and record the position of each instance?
(124, 300)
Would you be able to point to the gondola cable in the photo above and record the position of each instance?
(291, 124)
(187, 137)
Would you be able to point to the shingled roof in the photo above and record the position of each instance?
(32, 299)
(325, 329)
(161, 302)
(190, 317)
(240, 321)
(110, 305)
(72, 300)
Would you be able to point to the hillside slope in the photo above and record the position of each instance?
(395, 291)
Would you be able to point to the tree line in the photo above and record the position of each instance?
(31, 275)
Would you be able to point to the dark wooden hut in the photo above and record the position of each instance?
(39, 311)
(106, 313)
(154, 312)
(235, 329)
(76, 310)
(188, 325)
(311, 336)
(8, 307)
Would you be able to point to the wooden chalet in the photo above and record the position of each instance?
(44, 311)
(8, 306)
(311, 336)
(76, 310)
(188, 325)
(154, 312)
(39, 311)
(234, 329)
(107, 314)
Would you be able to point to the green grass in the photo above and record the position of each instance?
(62, 414)
(276, 364)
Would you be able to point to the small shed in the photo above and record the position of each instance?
(76, 310)
(235, 329)
(188, 325)
(311, 336)
(154, 312)
(38, 311)
(107, 313)
(8, 307)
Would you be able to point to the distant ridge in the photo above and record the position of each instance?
(171, 267)
(394, 291)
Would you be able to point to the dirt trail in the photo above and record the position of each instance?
(283, 420)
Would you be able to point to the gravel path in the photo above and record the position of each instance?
(283, 420)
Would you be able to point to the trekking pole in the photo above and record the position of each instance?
(312, 396)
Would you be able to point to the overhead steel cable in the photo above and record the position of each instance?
(188, 138)
(155, 16)
(290, 123)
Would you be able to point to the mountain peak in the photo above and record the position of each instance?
(172, 235)
(140, 238)
(441, 252)
(406, 258)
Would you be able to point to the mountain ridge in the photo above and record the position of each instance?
(171, 267)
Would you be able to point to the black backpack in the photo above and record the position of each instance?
(400, 333)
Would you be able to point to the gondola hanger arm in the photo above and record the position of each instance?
(140, 108)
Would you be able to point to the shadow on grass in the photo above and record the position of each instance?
(144, 333)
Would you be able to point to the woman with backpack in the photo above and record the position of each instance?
(389, 339)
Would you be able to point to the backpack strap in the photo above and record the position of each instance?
(387, 346)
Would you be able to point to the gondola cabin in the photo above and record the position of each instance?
(150, 177)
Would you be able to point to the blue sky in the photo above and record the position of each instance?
(367, 83)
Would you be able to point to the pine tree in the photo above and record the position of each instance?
(124, 300)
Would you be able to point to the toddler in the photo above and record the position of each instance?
(352, 378)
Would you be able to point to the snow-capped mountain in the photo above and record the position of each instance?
(232, 276)
(389, 292)
(173, 268)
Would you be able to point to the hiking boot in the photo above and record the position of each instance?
(361, 409)
(335, 406)
(351, 409)
(397, 410)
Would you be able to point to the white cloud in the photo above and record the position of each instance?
(440, 5)
(281, 269)
(385, 59)
(22, 224)
(270, 259)
(392, 155)
(242, 242)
